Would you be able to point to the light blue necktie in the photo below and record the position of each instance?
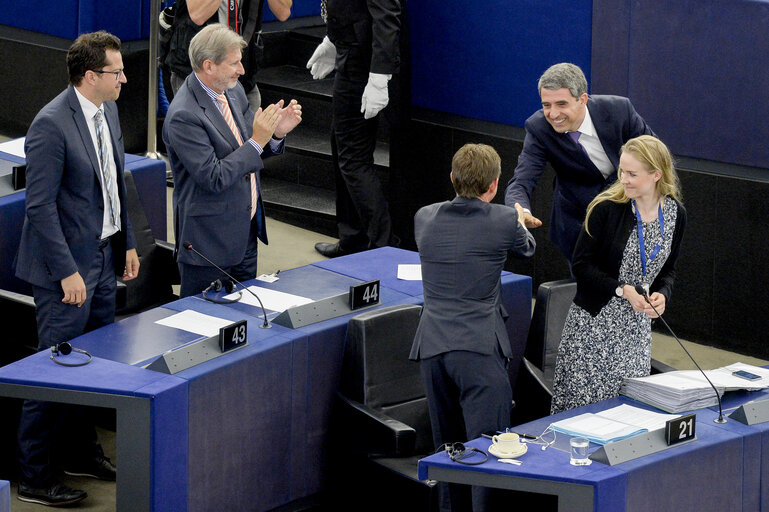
(108, 178)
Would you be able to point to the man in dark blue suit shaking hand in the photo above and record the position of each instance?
(580, 136)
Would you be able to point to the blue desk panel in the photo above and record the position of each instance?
(150, 179)
(5, 496)
(152, 421)
(703, 475)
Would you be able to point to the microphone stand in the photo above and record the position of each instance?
(266, 324)
(641, 291)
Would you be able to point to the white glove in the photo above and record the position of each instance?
(322, 61)
(375, 96)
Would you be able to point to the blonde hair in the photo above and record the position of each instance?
(653, 153)
(473, 169)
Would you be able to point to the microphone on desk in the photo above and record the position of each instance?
(188, 246)
(640, 290)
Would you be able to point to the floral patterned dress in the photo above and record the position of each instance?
(596, 353)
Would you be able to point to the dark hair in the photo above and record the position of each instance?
(89, 51)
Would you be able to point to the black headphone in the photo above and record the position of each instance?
(458, 452)
(217, 286)
(66, 349)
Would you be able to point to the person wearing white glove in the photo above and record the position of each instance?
(363, 48)
(322, 61)
(375, 95)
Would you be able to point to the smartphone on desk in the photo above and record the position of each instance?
(746, 375)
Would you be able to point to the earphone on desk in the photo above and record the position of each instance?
(64, 349)
(216, 286)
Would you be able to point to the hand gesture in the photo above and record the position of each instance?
(131, 265)
(375, 96)
(323, 59)
(265, 123)
(530, 221)
(658, 301)
(74, 290)
(291, 116)
(636, 300)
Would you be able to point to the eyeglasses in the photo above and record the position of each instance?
(117, 73)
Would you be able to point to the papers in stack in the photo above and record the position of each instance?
(612, 424)
(686, 390)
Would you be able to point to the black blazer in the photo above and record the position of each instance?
(597, 258)
(577, 180)
(370, 24)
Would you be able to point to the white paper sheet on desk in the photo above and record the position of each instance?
(272, 299)
(14, 147)
(192, 321)
(649, 420)
(410, 272)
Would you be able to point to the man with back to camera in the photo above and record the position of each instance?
(216, 145)
(76, 238)
(580, 136)
(461, 342)
(362, 45)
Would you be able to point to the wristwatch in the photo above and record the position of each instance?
(619, 292)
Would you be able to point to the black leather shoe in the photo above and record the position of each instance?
(330, 250)
(54, 496)
(97, 467)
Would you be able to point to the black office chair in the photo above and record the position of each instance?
(157, 271)
(533, 390)
(381, 422)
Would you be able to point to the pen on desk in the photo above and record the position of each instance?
(525, 436)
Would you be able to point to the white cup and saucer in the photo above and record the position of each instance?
(507, 446)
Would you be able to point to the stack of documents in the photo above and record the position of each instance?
(687, 390)
(613, 424)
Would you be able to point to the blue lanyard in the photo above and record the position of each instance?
(639, 225)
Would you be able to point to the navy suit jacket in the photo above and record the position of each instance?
(64, 202)
(577, 180)
(212, 173)
(463, 245)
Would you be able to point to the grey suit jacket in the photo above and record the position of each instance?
(212, 173)
(64, 202)
(463, 245)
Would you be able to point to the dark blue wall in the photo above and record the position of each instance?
(482, 59)
(696, 70)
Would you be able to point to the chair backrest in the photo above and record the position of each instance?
(153, 284)
(554, 299)
(377, 371)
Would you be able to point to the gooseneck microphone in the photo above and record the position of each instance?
(188, 246)
(641, 291)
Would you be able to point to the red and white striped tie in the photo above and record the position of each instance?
(227, 113)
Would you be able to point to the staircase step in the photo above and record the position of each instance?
(290, 78)
(300, 205)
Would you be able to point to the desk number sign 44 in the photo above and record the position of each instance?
(364, 294)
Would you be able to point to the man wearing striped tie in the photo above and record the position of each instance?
(216, 145)
(76, 238)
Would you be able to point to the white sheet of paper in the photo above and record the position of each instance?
(14, 147)
(410, 272)
(192, 321)
(272, 299)
(649, 420)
